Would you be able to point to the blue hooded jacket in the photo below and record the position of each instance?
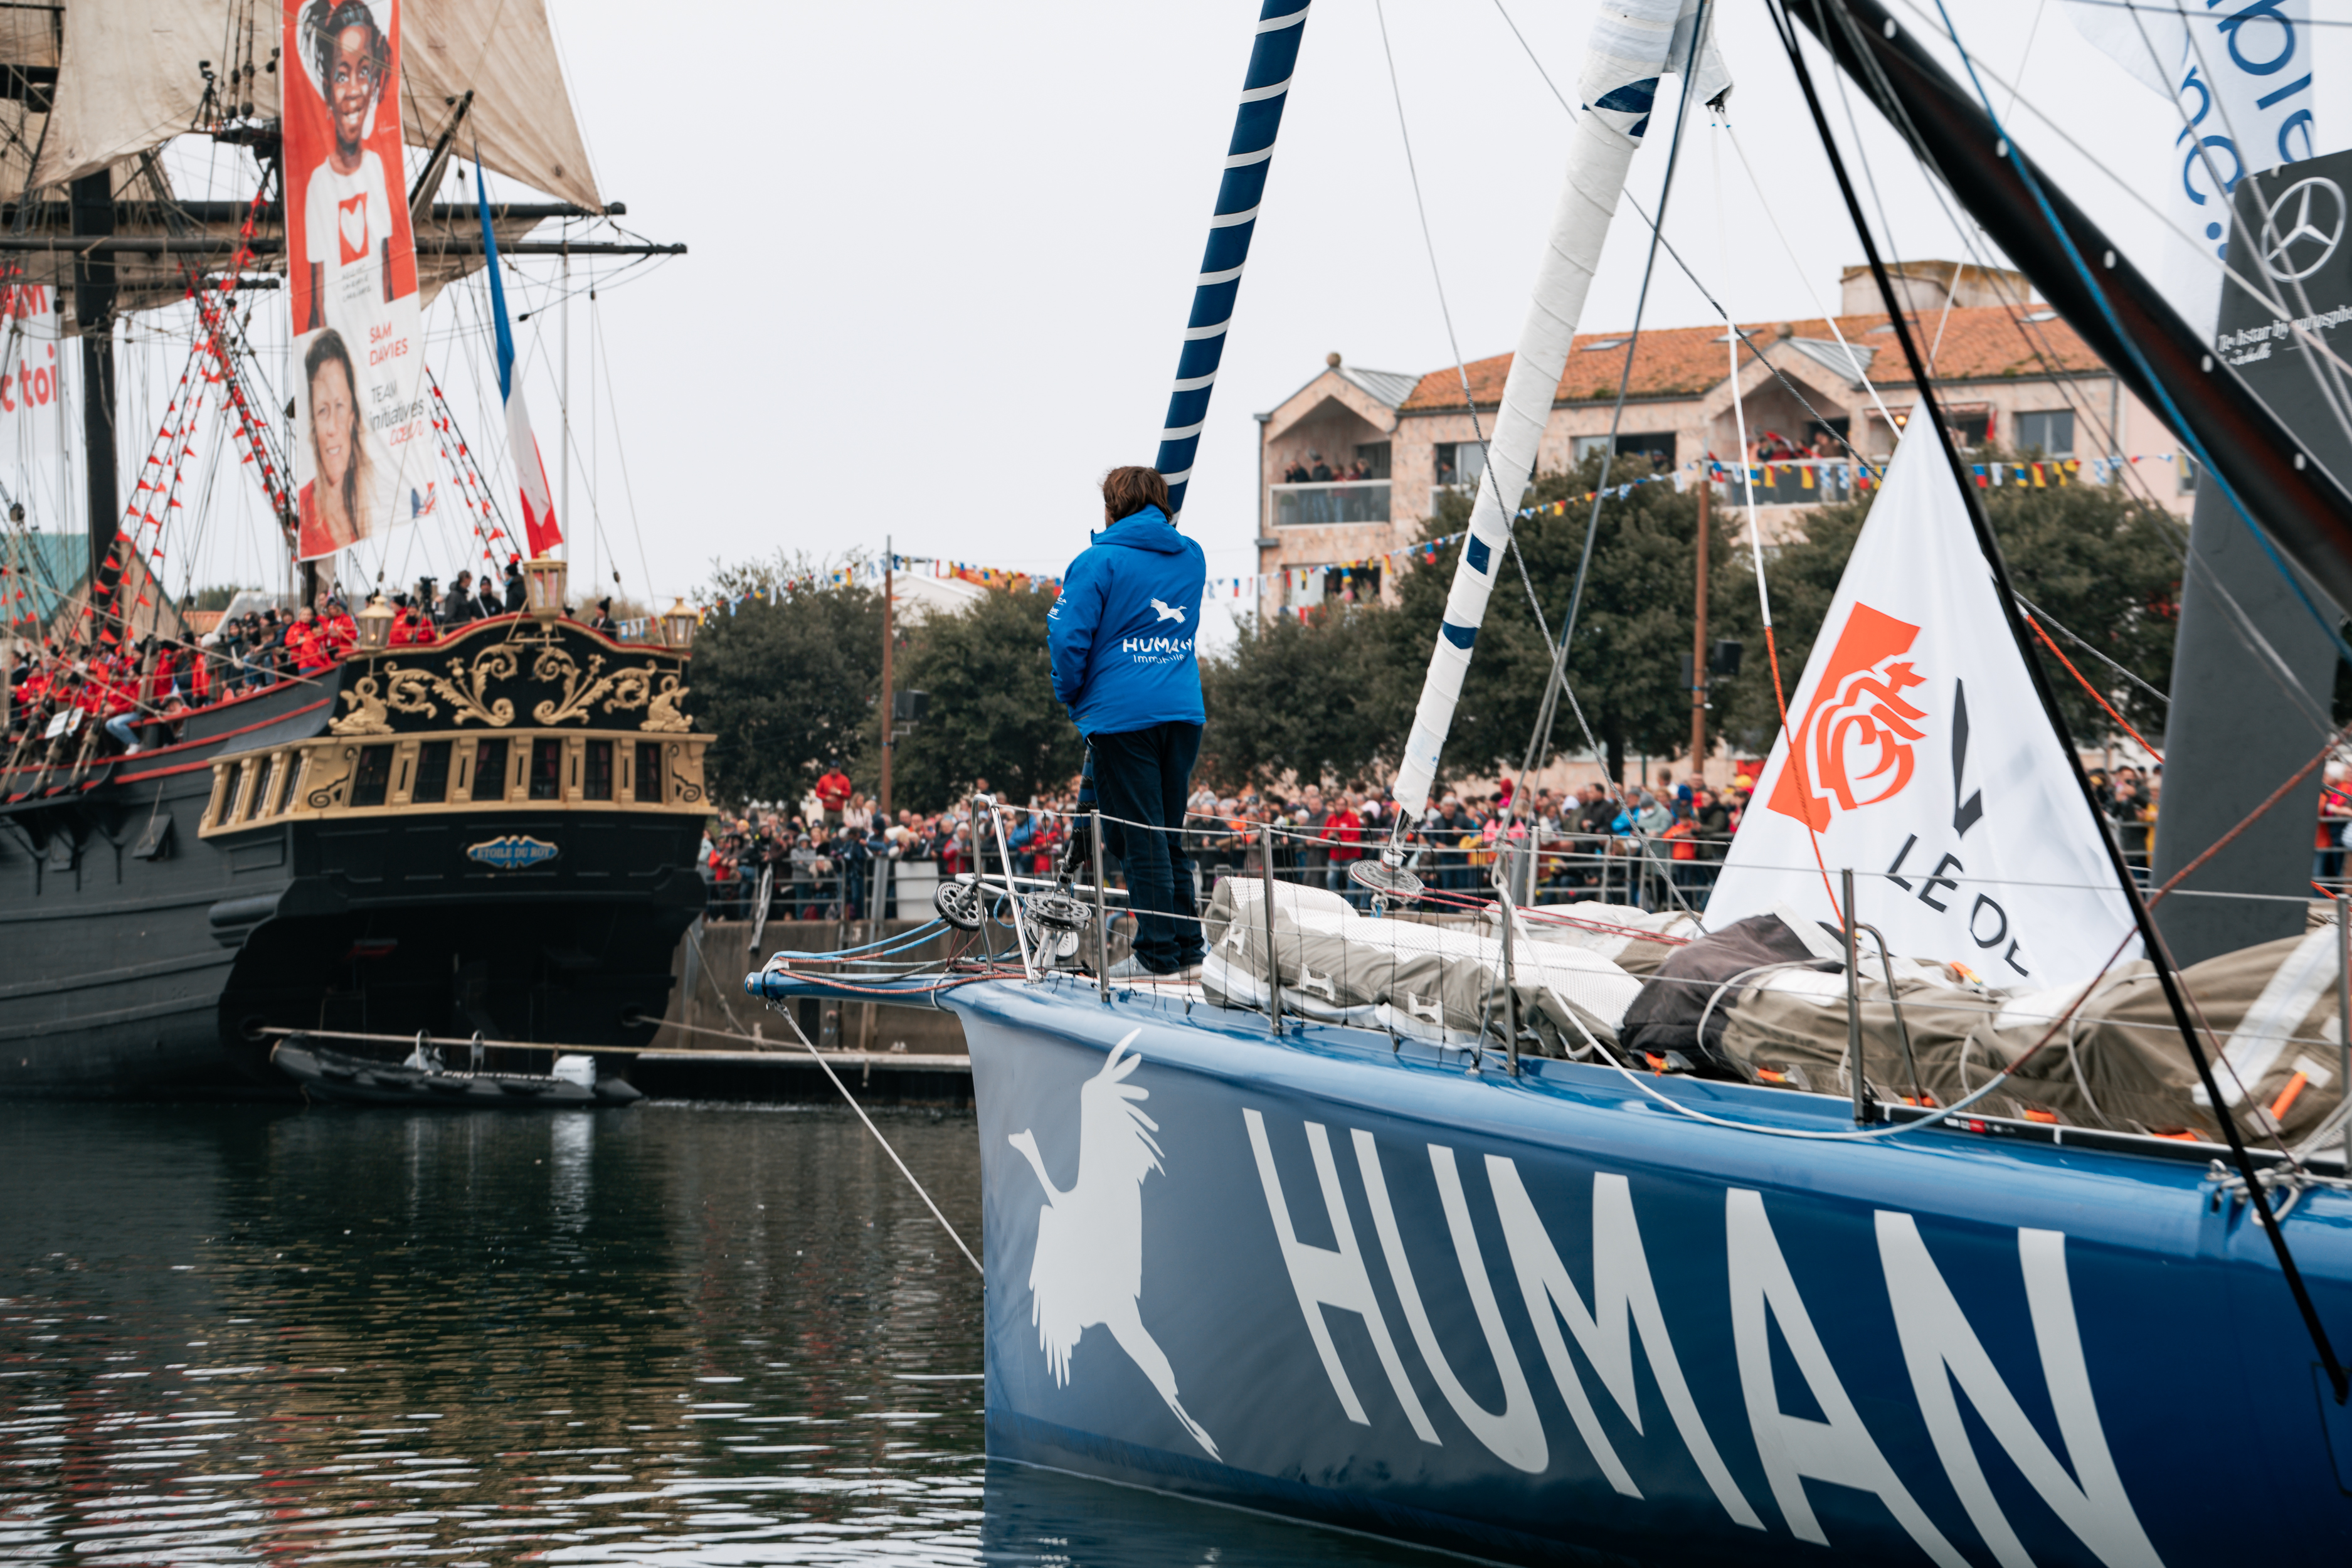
(1121, 633)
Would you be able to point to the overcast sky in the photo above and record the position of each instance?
(941, 253)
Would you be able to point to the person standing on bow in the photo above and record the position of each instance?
(1121, 636)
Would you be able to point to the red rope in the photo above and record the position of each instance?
(2097, 696)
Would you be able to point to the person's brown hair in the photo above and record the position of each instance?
(1127, 491)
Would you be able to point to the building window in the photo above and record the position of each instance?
(2051, 432)
(547, 770)
(596, 779)
(373, 781)
(1374, 456)
(490, 770)
(432, 773)
(649, 772)
(1460, 462)
(2187, 466)
(1658, 446)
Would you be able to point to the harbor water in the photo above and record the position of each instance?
(669, 1334)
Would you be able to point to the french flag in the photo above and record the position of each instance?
(540, 530)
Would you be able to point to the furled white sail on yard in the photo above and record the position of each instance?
(1634, 44)
(1923, 761)
(128, 79)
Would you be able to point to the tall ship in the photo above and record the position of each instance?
(1924, 1199)
(482, 822)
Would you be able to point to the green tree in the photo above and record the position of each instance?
(2100, 562)
(1304, 697)
(785, 683)
(1633, 630)
(991, 713)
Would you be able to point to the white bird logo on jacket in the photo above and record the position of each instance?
(1168, 611)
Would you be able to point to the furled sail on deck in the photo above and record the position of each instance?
(130, 78)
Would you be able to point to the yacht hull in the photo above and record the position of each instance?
(1547, 1319)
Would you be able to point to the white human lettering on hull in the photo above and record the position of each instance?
(1942, 1352)
(1515, 1436)
(1794, 1447)
(1326, 1278)
(1623, 1299)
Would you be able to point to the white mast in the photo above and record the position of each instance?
(1634, 42)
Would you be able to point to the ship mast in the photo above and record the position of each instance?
(91, 201)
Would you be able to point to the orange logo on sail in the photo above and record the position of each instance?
(1852, 748)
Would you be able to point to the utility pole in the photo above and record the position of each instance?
(1698, 640)
(890, 713)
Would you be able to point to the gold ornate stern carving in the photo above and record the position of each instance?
(412, 690)
(367, 716)
(663, 715)
(330, 770)
(627, 687)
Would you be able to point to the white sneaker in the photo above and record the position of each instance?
(1133, 969)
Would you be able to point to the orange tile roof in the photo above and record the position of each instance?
(1979, 343)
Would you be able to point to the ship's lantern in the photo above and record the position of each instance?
(375, 624)
(548, 578)
(677, 625)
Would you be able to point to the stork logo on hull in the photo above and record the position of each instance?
(1087, 1269)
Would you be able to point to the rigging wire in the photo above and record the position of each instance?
(1540, 741)
(1883, 93)
(2151, 937)
(2243, 626)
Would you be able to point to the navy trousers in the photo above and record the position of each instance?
(1144, 776)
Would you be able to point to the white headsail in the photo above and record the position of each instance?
(1634, 44)
(128, 78)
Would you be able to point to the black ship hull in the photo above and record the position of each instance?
(159, 936)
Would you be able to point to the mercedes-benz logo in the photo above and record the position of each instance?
(2306, 225)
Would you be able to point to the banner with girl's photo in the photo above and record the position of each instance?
(359, 344)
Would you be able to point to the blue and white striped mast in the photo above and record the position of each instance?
(1281, 24)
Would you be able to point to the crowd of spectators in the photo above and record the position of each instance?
(1654, 847)
(75, 704)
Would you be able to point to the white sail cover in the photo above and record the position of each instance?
(128, 80)
(1634, 44)
(1924, 762)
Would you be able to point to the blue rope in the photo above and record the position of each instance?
(2139, 361)
(1281, 24)
(881, 948)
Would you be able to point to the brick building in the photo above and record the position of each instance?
(2013, 377)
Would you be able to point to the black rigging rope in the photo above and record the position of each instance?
(2151, 938)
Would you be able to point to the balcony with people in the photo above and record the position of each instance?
(1314, 490)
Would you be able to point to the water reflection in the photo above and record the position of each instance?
(652, 1336)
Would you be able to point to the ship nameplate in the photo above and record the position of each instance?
(512, 852)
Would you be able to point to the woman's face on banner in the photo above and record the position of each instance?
(353, 87)
(330, 423)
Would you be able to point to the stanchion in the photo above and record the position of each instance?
(1102, 912)
(1854, 1004)
(1273, 964)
